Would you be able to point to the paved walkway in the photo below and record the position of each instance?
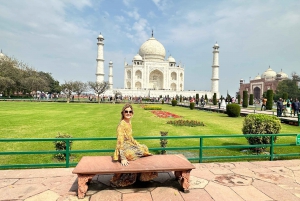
(232, 181)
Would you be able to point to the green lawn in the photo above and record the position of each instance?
(86, 120)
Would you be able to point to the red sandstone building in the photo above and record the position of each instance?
(260, 84)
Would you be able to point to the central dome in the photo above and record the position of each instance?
(152, 50)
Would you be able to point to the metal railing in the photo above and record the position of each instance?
(200, 148)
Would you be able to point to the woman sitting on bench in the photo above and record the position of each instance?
(128, 149)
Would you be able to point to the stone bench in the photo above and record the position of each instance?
(89, 166)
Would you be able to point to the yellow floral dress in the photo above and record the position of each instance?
(130, 149)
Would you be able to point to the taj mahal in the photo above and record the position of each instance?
(151, 75)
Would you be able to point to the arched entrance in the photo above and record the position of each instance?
(256, 93)
(156, 80)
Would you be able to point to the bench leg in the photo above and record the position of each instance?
(82, 186)
(184, 179)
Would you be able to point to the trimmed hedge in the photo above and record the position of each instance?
(260, 124)
(233, 110)
(269, 105)
(245, 99)
(215, 99)
(239, 99)
(251, 99)
(174, 102)
(192, 106)
(151, 107)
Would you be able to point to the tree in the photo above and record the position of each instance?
(33, 82)
(269, 105)
(68, 88)
(245, 99)
(99, 88)
(288, 86)
(215, 99)
(5, 83)
(239, 99)
(79, 87)
(251, 99)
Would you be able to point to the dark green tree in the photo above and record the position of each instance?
(239, 98)
(215, 99)
(251, 99)
(269, 105)
(245, 99)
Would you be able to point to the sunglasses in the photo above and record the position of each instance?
(126, 111)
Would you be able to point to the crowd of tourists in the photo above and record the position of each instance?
(288, 107)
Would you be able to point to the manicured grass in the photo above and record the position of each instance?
(86, 120)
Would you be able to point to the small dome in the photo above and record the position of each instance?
(282, 75)
(2, 55)
(137, 58)
(269, 74)
(171, 59)
(257, 77)
(110, 62)
(152, 50)
(100, 36)
(216, 46)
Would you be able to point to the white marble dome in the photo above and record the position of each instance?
(2, 55)
(269, 74)
(257, 77)
(282, 75)
(171, 59)
(152, 50)
(137, 58)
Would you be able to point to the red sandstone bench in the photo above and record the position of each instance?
(89, 166)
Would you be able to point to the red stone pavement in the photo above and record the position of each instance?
(232, 181)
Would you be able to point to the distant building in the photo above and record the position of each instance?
(151, 75)
(260, 84)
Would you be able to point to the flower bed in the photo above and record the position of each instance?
(190, 123)
(164, 114)
(151, 107)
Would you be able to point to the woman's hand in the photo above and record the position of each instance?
(124, 162)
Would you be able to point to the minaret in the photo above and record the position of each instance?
(100, 60)
(110, 76)
(215, 70)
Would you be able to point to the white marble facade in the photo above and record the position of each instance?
(150, 75)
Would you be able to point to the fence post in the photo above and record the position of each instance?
(200, 150)
(272, 148)
(67, 153)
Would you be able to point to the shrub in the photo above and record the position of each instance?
(245, 99)
(180, 98)
(260, 124)
(239, 98)
(62, 146)
(251, 99)
(269, 105)
(192, 106)
(190, 123)
(215, 99)
(162, 102)
(151, 107)
(174, 102)
(233, 110)
(163, 142)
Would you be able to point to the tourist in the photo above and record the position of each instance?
(288, 107)
(264, 104)
(279, 107)
(295, 106)
(128, 149)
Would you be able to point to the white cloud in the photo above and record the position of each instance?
(133, 14)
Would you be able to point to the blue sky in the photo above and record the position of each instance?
(59, 36)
